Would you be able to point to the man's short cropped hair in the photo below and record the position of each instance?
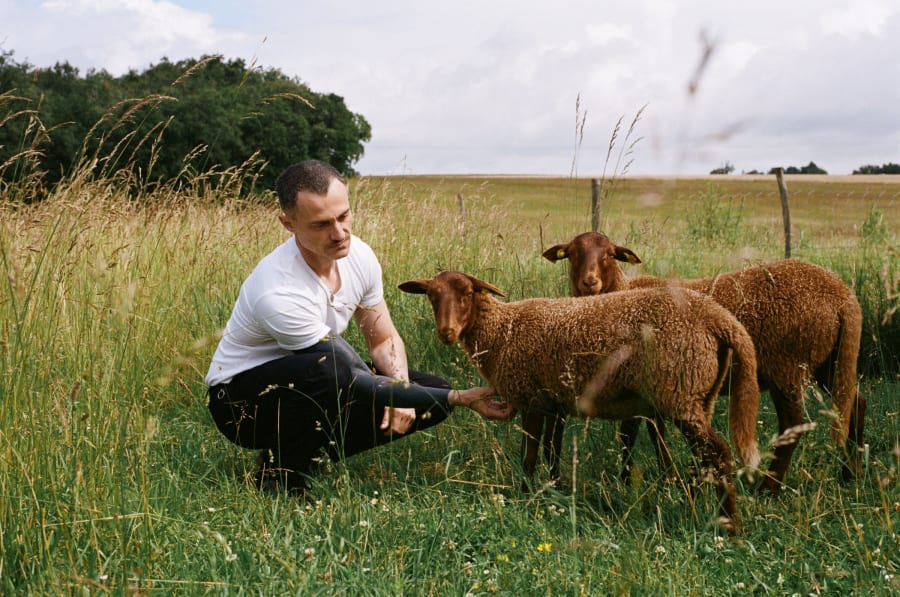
(311, 176)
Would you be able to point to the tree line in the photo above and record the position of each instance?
(812, 168)
(174, 120)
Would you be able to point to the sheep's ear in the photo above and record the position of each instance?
(415, 286)
(556, 252)
(623, 254)
(481, 286)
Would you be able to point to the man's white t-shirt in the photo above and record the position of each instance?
(284, 306)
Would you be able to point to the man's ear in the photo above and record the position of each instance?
(286, 222)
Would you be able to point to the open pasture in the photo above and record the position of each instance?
(113, 478)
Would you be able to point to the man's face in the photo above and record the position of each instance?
(321, 225)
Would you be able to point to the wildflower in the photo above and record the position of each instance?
(544, 546)
(660, 550)
(502, 557)
(309, 552)
(363, 523)
(231, 557)
(740, 585)
(718, 542)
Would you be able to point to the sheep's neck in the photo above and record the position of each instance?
(484, 340)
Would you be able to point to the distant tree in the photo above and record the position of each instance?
(726, 168)
(889, 168)
(811, 168)
(174, 119)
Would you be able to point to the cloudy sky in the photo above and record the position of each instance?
(519, 87)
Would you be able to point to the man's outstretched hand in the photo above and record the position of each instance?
(479, 400)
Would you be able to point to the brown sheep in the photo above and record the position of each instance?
(804, 321)
(637, 354)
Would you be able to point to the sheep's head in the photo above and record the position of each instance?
(592, 262)
(453, 299)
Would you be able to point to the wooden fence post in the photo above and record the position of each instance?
(785, 210)
(595, 204)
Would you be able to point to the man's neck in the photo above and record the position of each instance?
(325, 268)
(322, 266)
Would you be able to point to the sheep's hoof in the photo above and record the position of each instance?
(769, 486)
(850, 470)
(730, 525)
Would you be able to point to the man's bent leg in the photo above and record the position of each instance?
(288, 408)
(362, 419)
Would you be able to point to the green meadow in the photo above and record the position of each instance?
(114, 479)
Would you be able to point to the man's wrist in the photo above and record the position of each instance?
(455, 398)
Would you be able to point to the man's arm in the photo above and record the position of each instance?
(386, 347)
(388, 354)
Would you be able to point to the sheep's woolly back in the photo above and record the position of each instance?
(802, 319)
(543, 353)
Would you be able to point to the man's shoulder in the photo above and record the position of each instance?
(277, 269)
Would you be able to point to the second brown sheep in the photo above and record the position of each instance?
(805, 323)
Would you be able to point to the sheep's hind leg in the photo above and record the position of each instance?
(853, 466)
(790, 414)
(713, 453)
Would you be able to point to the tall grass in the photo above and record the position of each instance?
(113, 478)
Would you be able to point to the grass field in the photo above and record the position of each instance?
(113, 478)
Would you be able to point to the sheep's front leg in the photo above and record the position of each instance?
(553, 435)
(628, 430)
(532, 430)
(656, 427)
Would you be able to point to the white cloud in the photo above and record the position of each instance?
(862, 17)
(491, 87)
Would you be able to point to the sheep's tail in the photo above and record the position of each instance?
(744, 392)
(843, 389)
